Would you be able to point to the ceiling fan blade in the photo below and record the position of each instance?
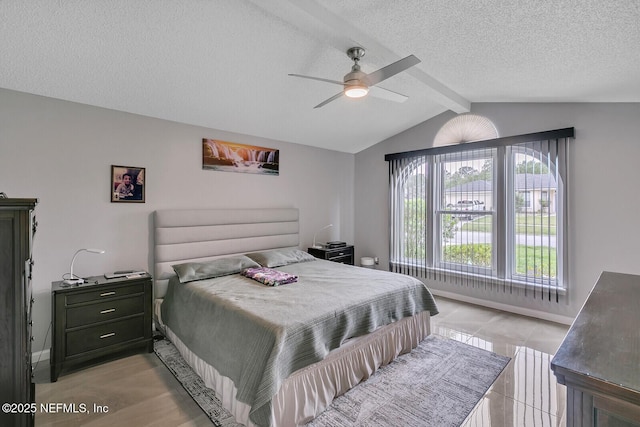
(389, 95)
(317, 78)
(391, 70)
(333, 98)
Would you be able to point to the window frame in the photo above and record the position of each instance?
(439, 209)
(503, 213)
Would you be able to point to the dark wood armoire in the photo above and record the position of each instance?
(17, 391)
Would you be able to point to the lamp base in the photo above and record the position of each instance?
(73, 281)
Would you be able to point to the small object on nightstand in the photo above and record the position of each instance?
(100, 318)
(342, 254)
(124, 273)
(334, 245)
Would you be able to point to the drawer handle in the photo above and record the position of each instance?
(106, 294)
(111, 334)
(111, 310)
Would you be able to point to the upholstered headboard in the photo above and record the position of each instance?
(183, 235)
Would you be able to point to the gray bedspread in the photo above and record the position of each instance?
(258, 335)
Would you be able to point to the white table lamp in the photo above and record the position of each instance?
(72, 280)
(314, 236)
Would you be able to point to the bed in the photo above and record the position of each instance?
(276, 355)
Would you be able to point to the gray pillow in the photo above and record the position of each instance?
(280, 257)
(190, 271)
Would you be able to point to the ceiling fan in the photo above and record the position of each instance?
(357, 83)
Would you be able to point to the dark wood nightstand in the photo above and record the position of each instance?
(343, 255)
(98, 319)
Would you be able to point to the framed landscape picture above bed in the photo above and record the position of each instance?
(127, 184)
(228, 156)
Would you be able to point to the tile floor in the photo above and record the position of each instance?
(139, 390)
(526, 393)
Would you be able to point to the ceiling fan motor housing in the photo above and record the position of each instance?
(355, 77)
(355, 83)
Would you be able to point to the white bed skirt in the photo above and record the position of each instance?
(309, 391)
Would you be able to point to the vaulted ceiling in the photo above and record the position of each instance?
(224, 64)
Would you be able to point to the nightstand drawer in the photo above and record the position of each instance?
(104, 335)
(345, 259)
(337, 254)
(102, 293)
(105, 310)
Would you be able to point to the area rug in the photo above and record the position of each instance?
(437, 384)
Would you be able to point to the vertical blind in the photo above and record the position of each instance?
(488, 214)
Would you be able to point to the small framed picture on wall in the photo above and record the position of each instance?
(127, 184)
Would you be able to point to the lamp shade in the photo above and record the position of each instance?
(94, 251)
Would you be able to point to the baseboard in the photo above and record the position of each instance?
(40, 356)
(558, 318)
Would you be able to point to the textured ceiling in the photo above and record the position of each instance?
(223, 64)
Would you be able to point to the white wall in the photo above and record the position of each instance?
(61, 152)
(604, 204)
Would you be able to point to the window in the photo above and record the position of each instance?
(489, 213)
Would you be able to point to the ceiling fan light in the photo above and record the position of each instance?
(356, 91)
